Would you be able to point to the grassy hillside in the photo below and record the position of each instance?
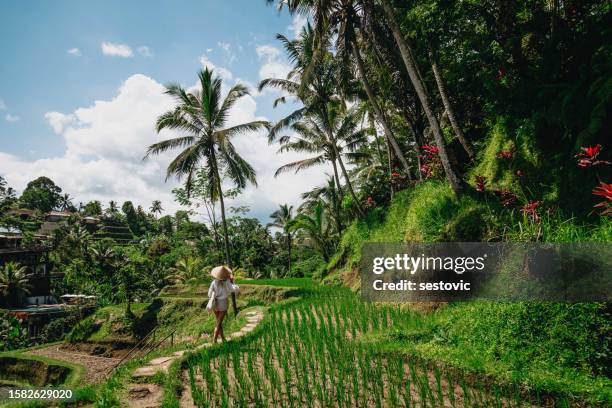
(558, 348)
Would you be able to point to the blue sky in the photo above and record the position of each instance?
(80, 87)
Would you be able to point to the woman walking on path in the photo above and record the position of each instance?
(220, 289)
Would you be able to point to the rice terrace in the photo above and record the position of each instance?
(306, 203)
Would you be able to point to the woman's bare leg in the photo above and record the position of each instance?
(220, 325)
(216, 331)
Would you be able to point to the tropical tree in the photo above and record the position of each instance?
(201, 117)
(282, 219)
(14, 281)
(421, 90)
(329, 196)
(315, 230)
(41, 194)
(320, 97)
(113, 208)
(186, 268)
(65, 203)
(156, 207)
(311, 136)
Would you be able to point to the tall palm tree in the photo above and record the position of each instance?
(14, 281)
(342, 19)
(282, 219)
(311, 137)
(421, 90)
(319, 97)
(156, 207)
(201, 117)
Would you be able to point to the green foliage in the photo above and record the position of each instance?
(41, 194)
(13, 335)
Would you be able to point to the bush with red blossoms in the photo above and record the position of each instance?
(531, 210)
(588, 157)
(369, 203)
(480, 183)
(398, 180)
(432, 166)
(604, 190)
(505, 154)
(506, 197)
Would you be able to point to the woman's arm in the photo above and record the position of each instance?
(210, 289)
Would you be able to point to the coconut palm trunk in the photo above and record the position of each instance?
(349, 185)
(337, 207)
(422, 94)
(376, 107)
(449, 109)
(289, 253)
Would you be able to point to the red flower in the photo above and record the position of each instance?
(604, 190)
(430, 150)
(426, 171)
(531, 209)
(501, 73)
(588, 156)
(505, 154)
(480, 183)
(395, 174)
(519, 173)
(506, 198)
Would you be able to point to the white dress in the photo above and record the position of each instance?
(221, 289)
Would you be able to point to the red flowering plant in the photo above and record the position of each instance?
(520, 174)
(531, 210)
(369, 203)
(432, 166)
(604, 190)
(505, 154)
(480, 183)
(398, 180)
(506, 197)
(588, 157)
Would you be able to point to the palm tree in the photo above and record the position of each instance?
(186, 268)
(421, 90)
(201, 116)
(282, 219)
(65, 202)
(339, 19)
(319, 97)
(156, 207)
(329, 196)
(311, 137)
(316, 230)
(14, 281)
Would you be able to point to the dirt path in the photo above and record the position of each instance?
(96, 368)
(149, 395)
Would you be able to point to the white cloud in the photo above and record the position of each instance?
(74, 51)
(116, 50)
(145, 51)
(299, 21)
(229, 55)
(107, 140)
(273, 66)
(12, 118)
(2, 105)
(59, 121)
(224, 73)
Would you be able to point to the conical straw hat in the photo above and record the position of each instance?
(220, 272)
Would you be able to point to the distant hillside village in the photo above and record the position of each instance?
(27, 236)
